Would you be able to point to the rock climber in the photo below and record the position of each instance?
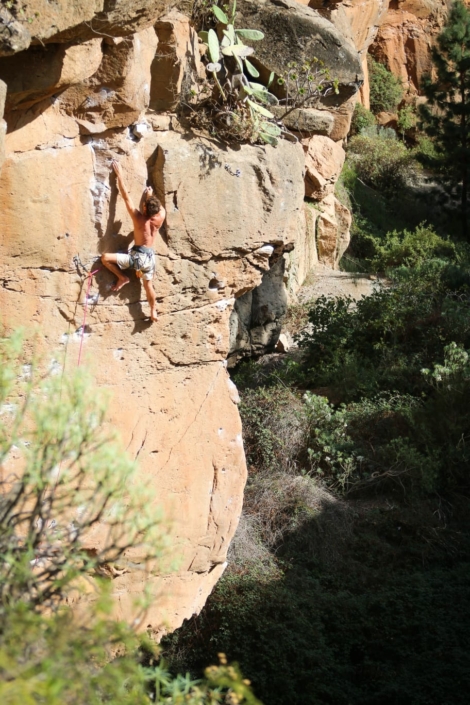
(141, 257)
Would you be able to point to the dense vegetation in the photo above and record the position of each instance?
(350, 573)
(349, 580)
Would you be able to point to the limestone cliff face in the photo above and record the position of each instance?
(84, 83)
(70, 108)
(398, 33)
(405, 38)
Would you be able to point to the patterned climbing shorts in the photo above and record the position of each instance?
(140, 258)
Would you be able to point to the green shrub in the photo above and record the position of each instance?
(410, 248)
(407, 119)
(382, 162)
(274, 424)
(382, 342)
(426, 152)
(362, 119)
(386, 90)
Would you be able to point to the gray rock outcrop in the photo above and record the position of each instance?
(295, 33)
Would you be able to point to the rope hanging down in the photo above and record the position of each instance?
(85, 313)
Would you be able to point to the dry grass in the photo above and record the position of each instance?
(296, 318)
(280, 507)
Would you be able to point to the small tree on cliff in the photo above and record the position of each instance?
(446, 116)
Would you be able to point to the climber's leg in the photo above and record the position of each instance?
(110, 260)
(151, 297)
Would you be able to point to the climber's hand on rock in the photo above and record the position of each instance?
(117, 167)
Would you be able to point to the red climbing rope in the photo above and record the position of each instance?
(85, 312)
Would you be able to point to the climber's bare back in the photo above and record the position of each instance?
(145, 229)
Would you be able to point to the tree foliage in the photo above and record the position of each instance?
(381, 161)
(446, 116)
(386, 90)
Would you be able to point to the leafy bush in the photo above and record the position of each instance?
(73, 475)
(55, 660)
(361, 119)
(382, 162)
(274, 428)
(382, 342)
(427, 153)
(386, 90)
(330, 622)
(410, 248)
(407, 119)
(366, 599)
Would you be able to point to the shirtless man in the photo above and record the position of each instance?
(147, 222)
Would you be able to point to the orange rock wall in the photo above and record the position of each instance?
(406, 36)
(71, 109)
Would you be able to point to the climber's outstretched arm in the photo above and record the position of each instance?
(123, 190)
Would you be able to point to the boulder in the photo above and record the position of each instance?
(39, 72)
(81, 20)
(357, 19)
(13, 34)
(305, 120)
(323, 161)
(256, 320)
(177, 57)
(333, 231)
(295, 33)
(284, 343)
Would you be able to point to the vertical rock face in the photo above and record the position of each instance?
(405, 38)
(42, 21)
(228, 210)
(177, 57)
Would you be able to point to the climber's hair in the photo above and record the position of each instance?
(152, 206)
